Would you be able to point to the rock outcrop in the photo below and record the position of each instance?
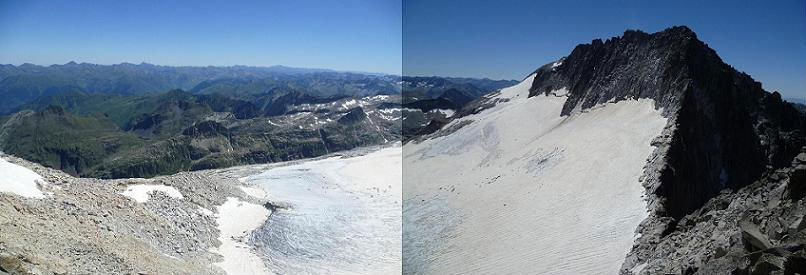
(759, 229)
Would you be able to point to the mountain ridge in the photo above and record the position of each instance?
(24, 83)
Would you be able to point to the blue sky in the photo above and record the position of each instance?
(508, 39)
(355, 35)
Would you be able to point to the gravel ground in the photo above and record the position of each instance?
(85, 226)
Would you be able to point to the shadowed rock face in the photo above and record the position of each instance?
(727, 128)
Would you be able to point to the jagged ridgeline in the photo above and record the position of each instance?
(726, 129)
(79, 118)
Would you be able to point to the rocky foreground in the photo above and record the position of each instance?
(86, 226)
(758, 229)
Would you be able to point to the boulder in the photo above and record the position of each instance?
(12, 265)
(753, 239)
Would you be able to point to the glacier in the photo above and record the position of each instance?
(338, 215)
(520, 189)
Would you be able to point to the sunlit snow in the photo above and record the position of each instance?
(521, 189)
(142, 192)
(19, 180)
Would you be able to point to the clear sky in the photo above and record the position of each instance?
(354, 35)
(509, 39)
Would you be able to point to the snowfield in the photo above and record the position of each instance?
(522, 190)
(19, 180)
(339, 215)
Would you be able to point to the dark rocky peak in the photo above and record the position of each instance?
(625, 67)
(726, 129)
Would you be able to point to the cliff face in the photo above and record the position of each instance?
(725, 129)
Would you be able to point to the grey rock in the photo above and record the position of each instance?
(768, 264)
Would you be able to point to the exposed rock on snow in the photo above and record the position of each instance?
(141, 192)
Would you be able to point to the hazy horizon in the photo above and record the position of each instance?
(359, 35)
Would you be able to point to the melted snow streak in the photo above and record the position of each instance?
(523, 190)
(339, 216)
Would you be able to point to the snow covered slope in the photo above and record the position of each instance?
(521, 189)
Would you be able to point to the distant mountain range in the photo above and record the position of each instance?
(128, 120)
(23, 83)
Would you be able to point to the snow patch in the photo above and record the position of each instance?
(142, 192)
(561, 92)
(445, 112)
(205, 211)
(349, 103)
(19, 180)
(390, 110)
(236, 220)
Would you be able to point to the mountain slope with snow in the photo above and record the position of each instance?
(527, 189)
(547, 176)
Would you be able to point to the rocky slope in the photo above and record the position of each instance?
(758, 229)
(87, 226)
